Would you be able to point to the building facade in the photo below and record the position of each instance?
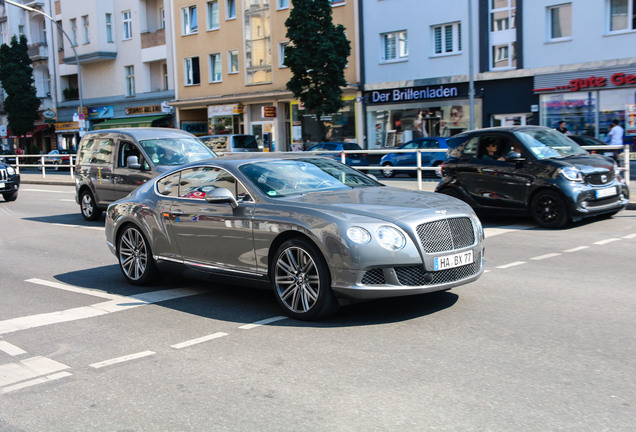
(124, 76)
(231, 77)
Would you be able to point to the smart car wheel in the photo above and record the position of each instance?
(548, 210)
(88, 206)
(135, 256)
(10, 196)
(387, 170)
(302, 282)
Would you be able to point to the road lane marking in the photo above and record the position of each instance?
(489, 232)
(576, 249)
(46, 190)
(79, 226)
(606, 241)
(116, 304)
(10, 349)
(630, 236)
(262, 322)
(36, 381)
(546, 256)
(122, 359)
(75, 289)
(199, 340)
(27, 369)
(513, 264)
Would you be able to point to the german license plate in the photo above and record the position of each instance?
(604, 193)
(454, 260)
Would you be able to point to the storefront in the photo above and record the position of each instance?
(397, 115)
(588, 101)
(67, 135)
(306, 129)
(225, 119)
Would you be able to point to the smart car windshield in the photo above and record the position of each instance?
(288, 177)
(176, 151)
(548, 143)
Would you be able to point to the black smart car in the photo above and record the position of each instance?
(533, 170)
(9, 182)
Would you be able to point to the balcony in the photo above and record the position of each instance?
(38, 51)
(153, 39)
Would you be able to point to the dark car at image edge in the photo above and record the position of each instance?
(9, 182)
(536, 171)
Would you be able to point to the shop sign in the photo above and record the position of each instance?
(411, 94)
(220, 110)
(237, 109)
(268, 111)
(49, 114)
(194, 127)
(146, 109)
(630, 119)
(618, 79)
(101, 112)
(66, 126)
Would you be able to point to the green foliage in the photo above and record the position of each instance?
(317, 56)
(70, 93)
(16, 76)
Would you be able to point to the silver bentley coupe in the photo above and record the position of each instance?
(320, 233)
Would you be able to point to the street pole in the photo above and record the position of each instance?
(79, 68)
(471, 81)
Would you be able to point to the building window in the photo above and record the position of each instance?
(73, 22)
(109, 28)
(86, 29)
(622, 15)
(232, 62)
(130, 80)
(282, 46)
(164, 71)
(447, 39)
(189, 20)
(215, 68)
(282, 4)
(503, 34)
(230, 9)
(213, 15)
(191, 74)
(3, 33)
(258, 43)
(394, 46)
(127, 21)
(337, 2)
(162, 18)
(560, 21)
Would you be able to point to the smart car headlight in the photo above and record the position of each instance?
(572, 174)
(10, 170)
(390, 238)
(358, 235)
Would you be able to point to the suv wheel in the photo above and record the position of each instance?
(10, 196)
(548, 210)
(88, 206)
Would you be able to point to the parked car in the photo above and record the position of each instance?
(7, 157)
(56, 159)
(318, 232)
(113, 162)
(352, 159)
(585, 140)
(532, 170)
(9, 182)
(429, 159)
(231, 143)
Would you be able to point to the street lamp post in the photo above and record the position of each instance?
(79, 68)
(471, 81)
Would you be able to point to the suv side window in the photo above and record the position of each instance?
(471, 147)
(98, 151)
(86, 152)
(127, 149)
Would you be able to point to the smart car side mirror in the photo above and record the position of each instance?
(221, 196)
(133, 162)
(514, 157)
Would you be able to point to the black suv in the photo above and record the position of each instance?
(533, 170)
(9, 182)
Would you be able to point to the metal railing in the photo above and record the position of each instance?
(45, 162)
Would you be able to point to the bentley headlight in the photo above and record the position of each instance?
(390, 238)
(358, 235)
(10, 170)
(572, 174)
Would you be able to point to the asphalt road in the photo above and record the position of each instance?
(543, 341)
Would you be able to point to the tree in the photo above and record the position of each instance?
(316, 56)
(16, 76)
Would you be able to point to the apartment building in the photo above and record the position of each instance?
(231, 77)
(531, 62)
(15, 21)
(120, 68)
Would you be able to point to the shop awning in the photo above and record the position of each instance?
(142, 121)
(37, 129)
